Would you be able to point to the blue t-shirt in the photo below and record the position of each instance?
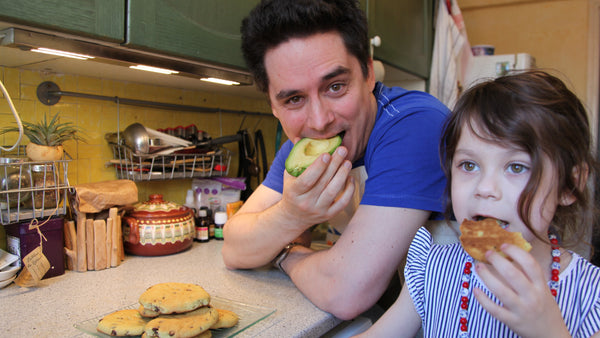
(401, 158)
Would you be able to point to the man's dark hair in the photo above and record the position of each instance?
(273, 22)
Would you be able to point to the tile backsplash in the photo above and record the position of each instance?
(98, 117)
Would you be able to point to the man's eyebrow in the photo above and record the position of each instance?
(336, 72)
(286, 93)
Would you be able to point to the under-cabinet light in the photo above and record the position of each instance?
(154, 69)
(220, 81)
(62, 53)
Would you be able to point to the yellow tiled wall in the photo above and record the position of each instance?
(97, 117)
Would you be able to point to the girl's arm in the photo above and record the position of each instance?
(529, 309)
(400, 320)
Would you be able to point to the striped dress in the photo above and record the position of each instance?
(433, 275)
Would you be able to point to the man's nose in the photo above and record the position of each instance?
(320, 115)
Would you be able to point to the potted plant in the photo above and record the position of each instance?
(47, 138)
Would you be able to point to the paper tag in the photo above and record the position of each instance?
(36, 266)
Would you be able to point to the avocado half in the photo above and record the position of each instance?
(306, 151)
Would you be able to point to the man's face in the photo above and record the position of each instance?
(317, 90)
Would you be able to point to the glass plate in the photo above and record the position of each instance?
(249, 315)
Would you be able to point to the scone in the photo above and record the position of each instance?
(184, 325)
(122, 323)
(166, 298)
(147, 313)
(477, 237)
(226, 319)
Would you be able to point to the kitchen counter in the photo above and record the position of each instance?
(52, 308)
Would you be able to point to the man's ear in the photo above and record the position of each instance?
(580, 175)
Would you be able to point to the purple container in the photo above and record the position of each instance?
(22, 241)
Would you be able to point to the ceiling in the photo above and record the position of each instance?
(16, 58)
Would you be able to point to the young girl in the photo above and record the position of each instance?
(517, 149)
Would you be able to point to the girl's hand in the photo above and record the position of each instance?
(529, 309)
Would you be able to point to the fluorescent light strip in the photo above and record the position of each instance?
(220, 81)
(154, 69)
(62, 53)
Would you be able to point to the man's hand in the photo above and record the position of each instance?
(322, 190)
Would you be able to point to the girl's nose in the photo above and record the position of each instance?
(488, 187)
(320, 116)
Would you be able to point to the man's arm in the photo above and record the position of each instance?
(349, 278)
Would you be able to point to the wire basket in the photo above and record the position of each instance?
(147, 167)
(32, 189)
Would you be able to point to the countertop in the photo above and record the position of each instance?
(52, 308)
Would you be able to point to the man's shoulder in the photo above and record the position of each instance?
(397, 100)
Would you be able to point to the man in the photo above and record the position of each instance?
(312, 59)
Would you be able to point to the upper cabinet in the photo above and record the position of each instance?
(207, 30)
(98, 19)
(406, 31)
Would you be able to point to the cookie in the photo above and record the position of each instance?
(184, 325)
(147, 313)
(166, 298)
(477, 237)
(205, 334)
(122, 323)
(226, 319)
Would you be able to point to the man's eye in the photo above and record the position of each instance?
(517, 168)
(336, 87)
(294, 100)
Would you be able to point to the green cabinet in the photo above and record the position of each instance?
(406, 31)
(98, 19)
(206, 30)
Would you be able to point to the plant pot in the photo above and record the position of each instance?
(41, 153)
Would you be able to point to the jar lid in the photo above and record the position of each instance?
(220, 217)
(157, 207)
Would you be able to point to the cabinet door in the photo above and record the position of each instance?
(406, 31)
(99, 19)
(207, 30)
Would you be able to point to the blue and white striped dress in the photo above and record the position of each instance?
(433, 275)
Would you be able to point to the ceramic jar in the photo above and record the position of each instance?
(157, 227)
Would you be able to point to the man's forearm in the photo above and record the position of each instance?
(254, 239)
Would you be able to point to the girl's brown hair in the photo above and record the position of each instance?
(534, 112)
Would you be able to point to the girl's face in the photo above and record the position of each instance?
(487, 181)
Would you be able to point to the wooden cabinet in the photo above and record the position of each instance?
(98, 19)
(206, 30)
(406, 31)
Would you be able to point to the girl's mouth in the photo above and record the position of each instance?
(501, 223)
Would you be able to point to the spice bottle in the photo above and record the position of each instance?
(202, 224)
(220, 220)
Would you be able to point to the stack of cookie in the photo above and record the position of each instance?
(169, 310)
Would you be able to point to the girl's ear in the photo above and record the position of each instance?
(580, 175)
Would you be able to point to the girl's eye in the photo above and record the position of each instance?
(517, 168)
(467, 166)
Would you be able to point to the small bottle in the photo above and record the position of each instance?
(202, 224)
(211, 223)
(220, 220)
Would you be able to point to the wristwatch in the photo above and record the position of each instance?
(283, 254)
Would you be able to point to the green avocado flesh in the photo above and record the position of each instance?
(306, 151)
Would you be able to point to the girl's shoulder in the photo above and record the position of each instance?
(582, 270)
(425, 252)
